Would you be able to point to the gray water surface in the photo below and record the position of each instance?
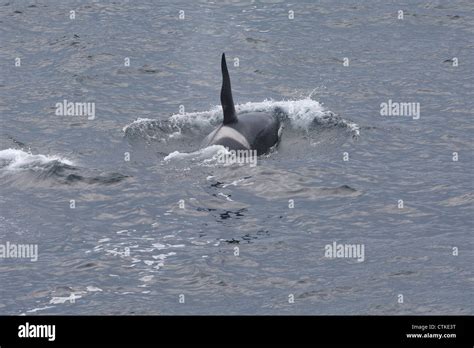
(129, 246)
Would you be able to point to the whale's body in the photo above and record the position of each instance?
(249, 131)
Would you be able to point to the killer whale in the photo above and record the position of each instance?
(248, 131)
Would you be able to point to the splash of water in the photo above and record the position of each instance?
(16, 160)
(301, 114)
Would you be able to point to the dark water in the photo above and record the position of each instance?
(128, 247)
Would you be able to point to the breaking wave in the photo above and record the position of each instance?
(21, 164)
(17, 160)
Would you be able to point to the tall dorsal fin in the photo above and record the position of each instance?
(226, 95)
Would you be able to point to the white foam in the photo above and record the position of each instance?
(163, 256)
(15, 159)
(204, 119)
(300, 112)
(354, 127)
(34, 310)
(234, 183)
(137, 122)
(146, 278)
(159, 246)
(71, 298)
(207, 154)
